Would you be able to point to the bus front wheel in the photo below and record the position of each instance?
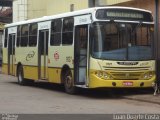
(68, 83)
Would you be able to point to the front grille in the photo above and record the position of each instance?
(126, 75)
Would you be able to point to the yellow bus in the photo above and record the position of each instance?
(98, 47)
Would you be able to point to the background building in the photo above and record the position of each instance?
(5, 17)
(147, 4)
(29, 9)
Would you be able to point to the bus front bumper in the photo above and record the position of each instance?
(96, 82)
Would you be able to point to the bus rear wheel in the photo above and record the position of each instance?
(68, 83)
(20, 76)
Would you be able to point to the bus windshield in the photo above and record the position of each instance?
(122, 41)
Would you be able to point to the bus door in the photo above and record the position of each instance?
(80, 60)
(11, 54)
(43, 53)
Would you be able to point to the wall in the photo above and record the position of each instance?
(36, 8)
(30, 9)
(112, 2)
(19, 10)
(61, 6)
(148, 4)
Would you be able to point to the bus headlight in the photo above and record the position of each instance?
(148, 75)
(103, 75)
(99, 74)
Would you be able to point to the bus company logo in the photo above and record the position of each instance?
(56, 56)
(30, 55)
(127, 75)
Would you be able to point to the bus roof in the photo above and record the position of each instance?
(74, 13)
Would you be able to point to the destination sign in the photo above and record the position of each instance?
(124, 14)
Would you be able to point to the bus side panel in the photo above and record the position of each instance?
(59, 56)
(28, 58)
(54, 75)
(5, 61)
(31, 72)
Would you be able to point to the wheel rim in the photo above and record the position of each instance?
(68, 81)
(20, 77)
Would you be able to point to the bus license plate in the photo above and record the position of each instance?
(127, 83)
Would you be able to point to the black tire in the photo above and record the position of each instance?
(20, 76)
(69, 83)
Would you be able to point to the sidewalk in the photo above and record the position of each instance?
(145, 98)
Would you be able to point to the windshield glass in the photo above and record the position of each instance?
(122, 41)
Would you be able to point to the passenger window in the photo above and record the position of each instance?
(67, 35)
(6, 38)
(18, 36)
(24, 36)
(33, 34)
(56, 27)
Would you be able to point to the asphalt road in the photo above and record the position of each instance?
(51, 99)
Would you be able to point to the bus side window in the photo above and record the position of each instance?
(6, 38)
(18, 36)
(56, 27)
(33, 34)
(24, 35)
(67, 35)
